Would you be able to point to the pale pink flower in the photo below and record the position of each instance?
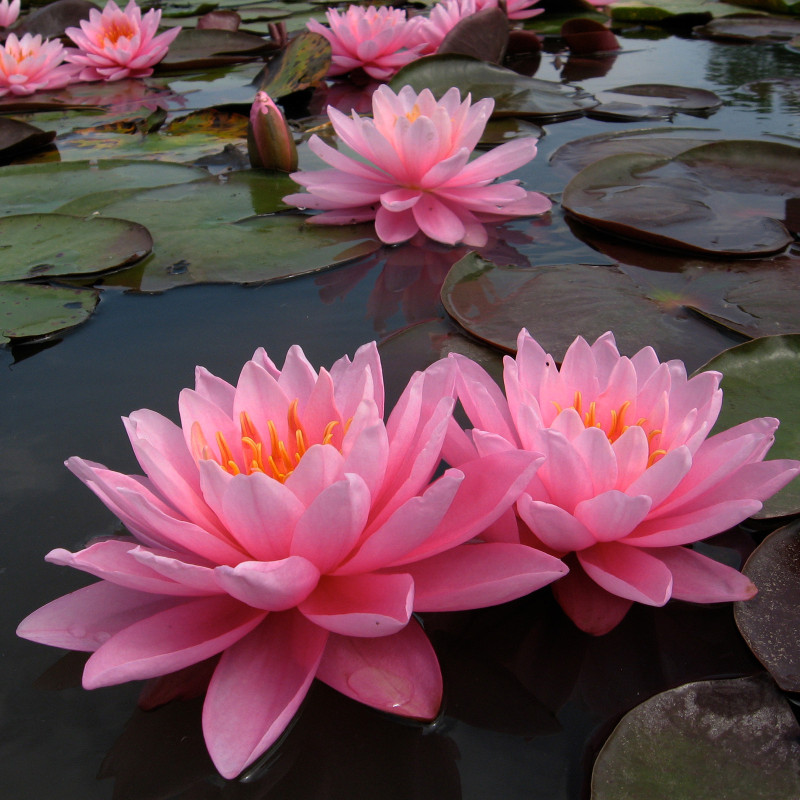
(418, 175)
(372, 39)
(115, 44)
(8, 13)
(29, 65)
(630, 474)
(288, 528)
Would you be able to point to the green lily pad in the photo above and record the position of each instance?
(505, 129)
(691, 11)
(654, 100)
(775, 6)
(768, 622)
(751, 28)
(200, 49)
(34, 311)
(224, 230)
(722, 198)
(45, 245)
(44, 187)
(302, 64)
(515, 95)
(762, 379)
(558, 303)
(735, 739)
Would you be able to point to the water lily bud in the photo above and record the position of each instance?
(269, 141)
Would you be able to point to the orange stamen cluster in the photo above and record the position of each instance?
(118, 28)
(615, 426)
(271, 456)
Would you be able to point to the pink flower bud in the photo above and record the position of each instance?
(270, 144)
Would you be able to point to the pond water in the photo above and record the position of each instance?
(529, 699)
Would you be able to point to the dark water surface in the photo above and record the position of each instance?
(529, 699)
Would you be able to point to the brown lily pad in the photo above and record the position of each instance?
(751, 28)
(653, 101)
(722, 198)
(483, 35)
(735, 739)
(558, 303)
(303, 63)
(18, 138)
(211, 47)
(584, 35)
(768, 622)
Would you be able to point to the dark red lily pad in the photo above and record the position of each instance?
(583, 35)
(751, 28)
(768, 622)
(483, 35)
(51, 20)
(205, 48)
(18, 138)
(558, 303)
(735, 739)
(722, 198)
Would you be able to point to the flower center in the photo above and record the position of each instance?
(614, 425)
(414, 113)
(272, 456)
(118, 28)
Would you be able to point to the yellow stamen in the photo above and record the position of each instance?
(414, 113)
(118, 28)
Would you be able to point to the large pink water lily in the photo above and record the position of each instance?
(115, 44)
(630, 474)
(375, 40)
(286, 526)
(8, 12)
(29, 65)
(418, 175)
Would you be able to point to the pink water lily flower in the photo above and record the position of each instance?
(29, 65)
(417, 174)
(8, 12)
(630, 474)
(287, 527)
(375, 40)
(115, 44)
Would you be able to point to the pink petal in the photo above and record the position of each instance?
(89, 617)
(628, 572)
(399, 673)
(394, 227)
(271, 586)
(592, 609)
(437, 220)
(361, 605)
(556, 528)
(319, 468)
(332, 523)
(257, 688)
(612, 515)
(480, 575)
(170, 640)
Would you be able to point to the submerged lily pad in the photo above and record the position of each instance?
(515, 95)
(768, 622)
(736, 739)
(751, 28)
(723, 198)
(558, 303)
(226, 231)
(44, 187)
(762, 379)
(45, 245)
(33, 311)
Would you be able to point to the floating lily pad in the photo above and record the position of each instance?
(482, 35)
(44, 187)
(645, 101)
(573, 156)
(51, 20)
(18, 138)
(515, 95)
(33, 311)
(558, 303)
(200, 49)
(751, 28)
(735, 739)
(211, 232)
(505, 129)
(762, 379)
(302, 64)
(45, 245)
(723, 198)
(768, 622)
